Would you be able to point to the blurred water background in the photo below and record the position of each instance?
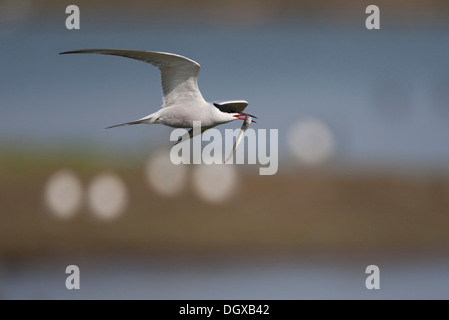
(363, 120)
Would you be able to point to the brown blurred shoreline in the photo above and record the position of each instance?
(299, 212)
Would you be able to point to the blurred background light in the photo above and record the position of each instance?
(107, 196)
(311, 141)
(165, 177)
(63, 194)
(215, 183)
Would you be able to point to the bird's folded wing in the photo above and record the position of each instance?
(179, 75)
(234, 106)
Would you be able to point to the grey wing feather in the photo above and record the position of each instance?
(179, 75)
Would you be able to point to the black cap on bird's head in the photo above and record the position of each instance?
(236, 106)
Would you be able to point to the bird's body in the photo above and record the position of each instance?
(182, 100)
(183, 115)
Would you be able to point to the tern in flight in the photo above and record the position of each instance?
(182, 100)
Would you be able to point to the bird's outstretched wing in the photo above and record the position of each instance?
(179, 75)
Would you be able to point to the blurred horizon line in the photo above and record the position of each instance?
(234, 12)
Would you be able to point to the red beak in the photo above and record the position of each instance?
(242, 116)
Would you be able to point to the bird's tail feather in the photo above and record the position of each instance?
(128, 123)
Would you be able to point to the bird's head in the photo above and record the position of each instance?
(233, 109)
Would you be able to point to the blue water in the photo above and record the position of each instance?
(383, 94)
(212, 278)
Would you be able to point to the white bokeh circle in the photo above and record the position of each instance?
(63, 194)
(311, 141)
(107, 196)
(215, 183)
(165, 177)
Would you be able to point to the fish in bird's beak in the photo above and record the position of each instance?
(247, 121)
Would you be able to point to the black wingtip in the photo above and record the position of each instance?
(69, 52)
(74, 51)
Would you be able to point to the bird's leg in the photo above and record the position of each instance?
(190, 134)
